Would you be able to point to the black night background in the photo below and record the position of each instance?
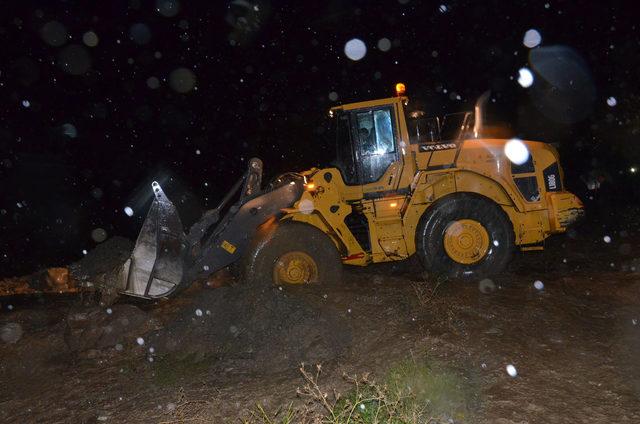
(85, 129)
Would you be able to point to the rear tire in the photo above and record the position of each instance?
(465, 236)
(294, 253)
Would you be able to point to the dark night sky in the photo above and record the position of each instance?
(85, 128)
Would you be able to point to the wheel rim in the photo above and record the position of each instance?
(295, 268)
(466, 241)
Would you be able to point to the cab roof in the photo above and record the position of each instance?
(372, 103)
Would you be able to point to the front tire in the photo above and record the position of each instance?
(294, 253)
(465, 236)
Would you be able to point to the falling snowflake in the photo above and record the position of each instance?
(486, 286)
(611, 101)
(384, 44)
(525, 77)
(516, 151)
(128, 211)
(90, 39)
(355, 49)
(99, 234)
(532, 38)
(511, 370)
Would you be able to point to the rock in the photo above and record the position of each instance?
(58, 277)
(106, 257)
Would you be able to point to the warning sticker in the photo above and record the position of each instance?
(228, 246)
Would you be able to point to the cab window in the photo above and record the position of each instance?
(374, 132)
(345, 161)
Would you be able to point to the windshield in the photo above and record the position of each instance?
(375, 131)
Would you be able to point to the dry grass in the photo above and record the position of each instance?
(412, 393)
(425, 291)
(281, 416)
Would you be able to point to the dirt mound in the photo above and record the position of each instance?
(104, 258)
(93, 327)
(254, 328)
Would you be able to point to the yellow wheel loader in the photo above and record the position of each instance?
(401, 184)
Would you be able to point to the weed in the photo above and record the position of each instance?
(430, 387)
(413, 392)
(425, 292)
(281, 416)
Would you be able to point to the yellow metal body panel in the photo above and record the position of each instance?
(421, 176)
(385, 228)
(564, 209)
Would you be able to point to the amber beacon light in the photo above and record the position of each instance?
(400, 89)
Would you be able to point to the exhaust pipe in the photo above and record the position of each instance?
(478, 124)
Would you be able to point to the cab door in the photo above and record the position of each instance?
(379, 166)
(374, 132)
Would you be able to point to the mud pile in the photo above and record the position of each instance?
(103, 259)
(89, 328)
(253, 328)
(243, 327)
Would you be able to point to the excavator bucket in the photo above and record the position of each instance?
(165, 258)
(156, 266)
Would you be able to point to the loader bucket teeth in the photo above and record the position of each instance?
(156, 266)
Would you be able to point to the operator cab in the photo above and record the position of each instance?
(367, 141)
